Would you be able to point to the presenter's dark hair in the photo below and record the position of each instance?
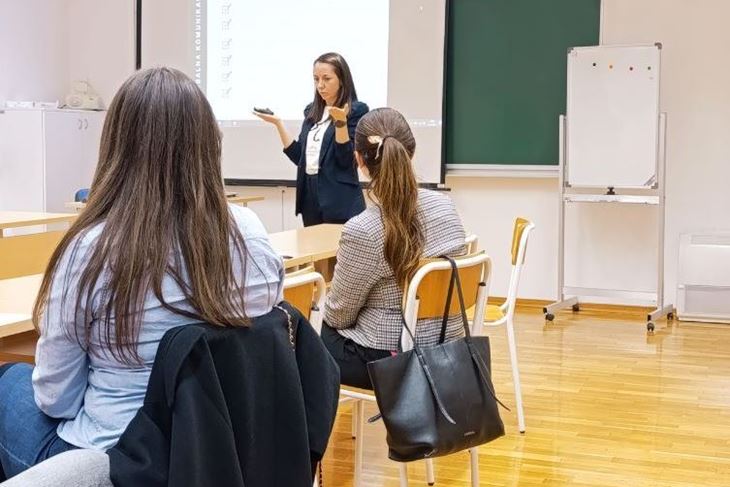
(347, 93)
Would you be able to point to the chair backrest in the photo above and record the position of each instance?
(426, 293)
(305, 289)
(520, 236)
(472, 243)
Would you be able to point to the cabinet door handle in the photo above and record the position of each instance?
(79, 123)
(86, 123)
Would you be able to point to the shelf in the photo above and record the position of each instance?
(607, 198)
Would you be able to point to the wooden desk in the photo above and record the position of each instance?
(19, 347)
(232, 198)
(307, 245)
(23, 258)
(17, 219)
(14, 324)
(243, 200)
(17, 334)
(17, 297)
(18, 337)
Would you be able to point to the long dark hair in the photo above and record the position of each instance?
(347, 93)
(159, 191)
(386, 145)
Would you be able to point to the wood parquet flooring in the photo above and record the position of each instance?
(605, 405)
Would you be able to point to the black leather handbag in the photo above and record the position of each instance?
(438, 400)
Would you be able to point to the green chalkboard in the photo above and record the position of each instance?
(506, 74)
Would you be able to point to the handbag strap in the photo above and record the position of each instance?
(462, 308)
(447, 308)
(429, 377)
(290, 326)
(480, 365)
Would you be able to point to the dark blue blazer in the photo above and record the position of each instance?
(340, 196)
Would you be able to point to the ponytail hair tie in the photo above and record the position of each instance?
(377, 139)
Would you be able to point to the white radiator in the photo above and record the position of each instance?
(703, 278)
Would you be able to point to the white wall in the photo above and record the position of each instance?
(607, 246)
(33, 50)
(488, 207)
(46, 44)
(695, 93)
(615, 246)
(101, 43)
(173, 44)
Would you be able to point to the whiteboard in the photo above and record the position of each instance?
(612, 122)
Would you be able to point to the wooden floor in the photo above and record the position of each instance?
(605, 405)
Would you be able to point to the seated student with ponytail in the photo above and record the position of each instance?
(380, 249)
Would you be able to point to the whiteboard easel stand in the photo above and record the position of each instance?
(568, 297)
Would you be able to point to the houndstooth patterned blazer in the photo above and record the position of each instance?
(364, 302)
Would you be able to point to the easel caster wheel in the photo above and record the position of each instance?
(576, 307)
(549, 316)
(670, 316)
(650, 326)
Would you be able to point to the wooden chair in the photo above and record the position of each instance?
(504, 313)
(304, 289)
(424, 298)
(472, 243)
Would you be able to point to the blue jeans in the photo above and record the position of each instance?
(27, 435)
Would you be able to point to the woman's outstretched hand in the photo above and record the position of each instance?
(340, 114)
(267, 118)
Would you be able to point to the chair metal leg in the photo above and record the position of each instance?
(474, 457)
(403, 467)
(358, 418)
(430, 478)
(354, 417)
(509, 326)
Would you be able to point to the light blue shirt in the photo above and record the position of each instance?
(98, 395)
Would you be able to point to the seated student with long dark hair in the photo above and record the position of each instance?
(381, 248)
(157, 246)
